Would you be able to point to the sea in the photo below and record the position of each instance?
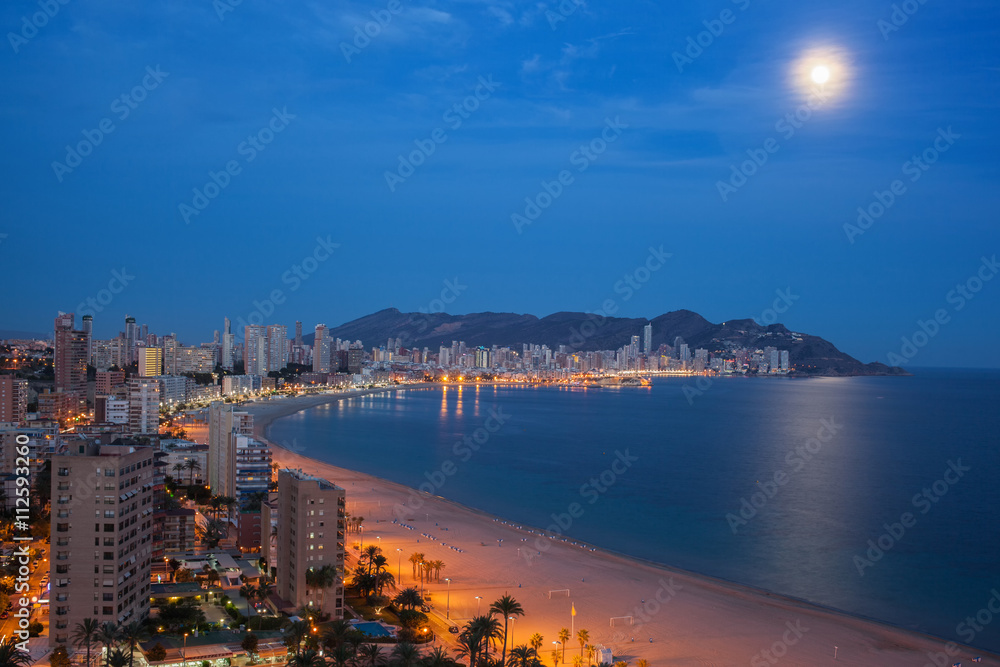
(877, 496)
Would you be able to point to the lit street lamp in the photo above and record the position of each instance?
(184, 651)
(447, 613)
(399, 565)
(479, 602)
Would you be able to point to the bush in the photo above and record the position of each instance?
(35, 628)
(411, 618)
(157, 653)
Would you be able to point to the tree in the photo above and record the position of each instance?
(408, 598)
(117, 658)
(183, 575)
(133, 634)
(555, 657)
(583, 637)
(157, 653)
(536, 641)
(295, 633)
(523, 656)
(415, 559)
(214, 532)
(485, 630)
(563, 638)
(642, 662)
(108, 634)
(174, 566)
(438, 658)
(85, 634)
(249, 644)
(192, 465)
(371, 655)
(307, 658)
(321, 579)
(11, 656)
(507, 607)
(248, 592)
(179, 469)
(59, 657)
(405, 654)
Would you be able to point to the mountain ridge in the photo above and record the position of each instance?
(808, 354)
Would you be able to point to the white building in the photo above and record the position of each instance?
(144, 405)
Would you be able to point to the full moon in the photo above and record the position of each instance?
(821, 74)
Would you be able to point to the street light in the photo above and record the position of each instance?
(479, 602)
(399, 565)
(447, 613)
(421, 582)
(511, 619)
(184, 651)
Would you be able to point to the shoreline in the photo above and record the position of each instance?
(710, 604)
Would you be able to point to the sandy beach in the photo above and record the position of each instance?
(677, 617)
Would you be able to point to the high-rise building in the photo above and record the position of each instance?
(298, 334)
(251, 470)
(277, 348)
(144, 405)
(71, 360)
(321, 349)
(116, 482)
(150, 361)
(109, 381)
(355, 356)
(131, 338)
(647, 342)
(224, 425)
(87, 326)
(228, 346)
(255, 349)
(310, 536)
(13, 400)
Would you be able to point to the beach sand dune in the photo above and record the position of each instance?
(677, 618)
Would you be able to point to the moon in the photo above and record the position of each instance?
(820, 74)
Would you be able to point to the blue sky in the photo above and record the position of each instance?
(557, 74)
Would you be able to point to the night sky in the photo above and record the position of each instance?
(250, 139)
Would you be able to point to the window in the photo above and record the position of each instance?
(64, 472)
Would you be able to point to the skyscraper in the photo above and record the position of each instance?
(647, 342)
(113, 586)
(321, 349)
(277, 347)
(71, 360)
(13, 400)
(131, 338)
(310, 536)
(144, 405)
(298, 333)
(228, 346)
(224, 425)
(255, 349)
(87, 326)
(150, 361)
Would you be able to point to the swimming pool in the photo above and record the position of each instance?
(372, 629)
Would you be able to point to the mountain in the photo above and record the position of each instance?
(584, 331)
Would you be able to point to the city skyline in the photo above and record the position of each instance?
(899, 136)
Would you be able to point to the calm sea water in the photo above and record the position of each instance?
(892, 438)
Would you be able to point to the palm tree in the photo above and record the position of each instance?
(415, 559)
(192, 465)
(506, 606)
(468, 646)
(117, 658)
(642, 662)
(583, 637)
(555, 657)
(133, 634)
(108, 634)
(248, 592)
(405, 654)
(174, 566)
(536, 642)
(178, 468)
(295, 633)
(487, 629)
(342, 655)
(371, 655)
(438, 658)
(523, 656)
(85, 635)
(322, 579)
(336, 633)
(563, 638)
(382, 580)
(12, 656)
(621, 663)
(264, 590)
(408, 598)
(307, 658)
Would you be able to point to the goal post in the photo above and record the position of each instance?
(621, 620)
(560, 592)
